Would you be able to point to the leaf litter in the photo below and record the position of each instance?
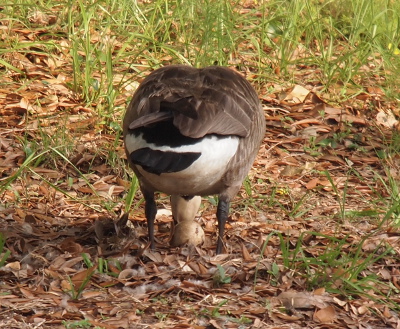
(74, 258)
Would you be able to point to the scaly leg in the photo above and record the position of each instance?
(150, 211)
(222, 216)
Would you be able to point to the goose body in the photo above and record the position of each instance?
(192, 132)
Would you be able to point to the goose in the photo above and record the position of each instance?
(191, 132)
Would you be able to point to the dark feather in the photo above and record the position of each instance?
(158, 162)
(151, 118)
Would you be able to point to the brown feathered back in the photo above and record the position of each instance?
(211, 100)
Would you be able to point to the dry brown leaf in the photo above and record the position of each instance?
(312, 183)
(245, 253)
(298, 94)
(79, 278)
(325, 315)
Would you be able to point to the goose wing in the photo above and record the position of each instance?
(212, 100)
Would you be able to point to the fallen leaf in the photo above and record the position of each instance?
(325, 315)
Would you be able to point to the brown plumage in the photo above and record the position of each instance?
(191, 132)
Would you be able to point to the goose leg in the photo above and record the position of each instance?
(222, 216)
(150, 210)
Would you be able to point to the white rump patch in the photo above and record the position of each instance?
(216, 152)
